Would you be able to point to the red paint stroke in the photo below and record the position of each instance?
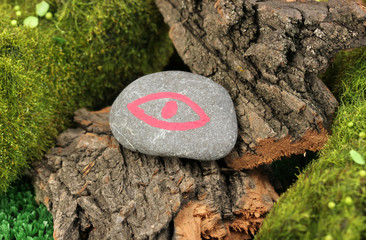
(175, 126)
(169, 110)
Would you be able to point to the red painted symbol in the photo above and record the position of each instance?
(168, 111)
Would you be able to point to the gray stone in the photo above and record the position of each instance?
(177, 114)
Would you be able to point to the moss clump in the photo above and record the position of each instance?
(80, 58)
(21, 217)
(329, 199)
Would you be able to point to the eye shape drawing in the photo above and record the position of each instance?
(168, 111)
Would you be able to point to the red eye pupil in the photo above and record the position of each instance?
(169, 110)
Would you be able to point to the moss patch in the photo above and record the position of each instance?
(81, 58)
(329, 199)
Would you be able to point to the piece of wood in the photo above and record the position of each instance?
(96, 189)
(268, 54)
(197, 220)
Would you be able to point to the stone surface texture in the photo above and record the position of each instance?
(212, 141)
(98, 190)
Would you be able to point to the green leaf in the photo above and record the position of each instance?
(357, 157)
(42, 8)
(31, 22)
(59, 40)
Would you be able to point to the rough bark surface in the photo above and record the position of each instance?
(268, 54)
(96, 189)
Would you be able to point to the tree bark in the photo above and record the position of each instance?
(268, 55)
(96, 189)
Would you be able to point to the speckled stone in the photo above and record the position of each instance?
(176, 114)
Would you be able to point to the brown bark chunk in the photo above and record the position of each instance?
(96, 189)
(268, 54)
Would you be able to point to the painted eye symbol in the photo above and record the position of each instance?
(168, 111)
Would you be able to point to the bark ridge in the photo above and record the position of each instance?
(268, 54)
(96, 189)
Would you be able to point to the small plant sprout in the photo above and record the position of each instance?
(357, 157)
(362, 173)
(348, 201)
(328, 237)
(48, 15)
(13, 22)
(16, 8)
(350, 124)
(331, 205)
(42, 8)
(362, 134)
(18, 13)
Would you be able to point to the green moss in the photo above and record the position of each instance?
(336, 75)
(329, 199)
(81, 58)
(21, 217)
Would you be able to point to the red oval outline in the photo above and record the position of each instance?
(175, 126)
